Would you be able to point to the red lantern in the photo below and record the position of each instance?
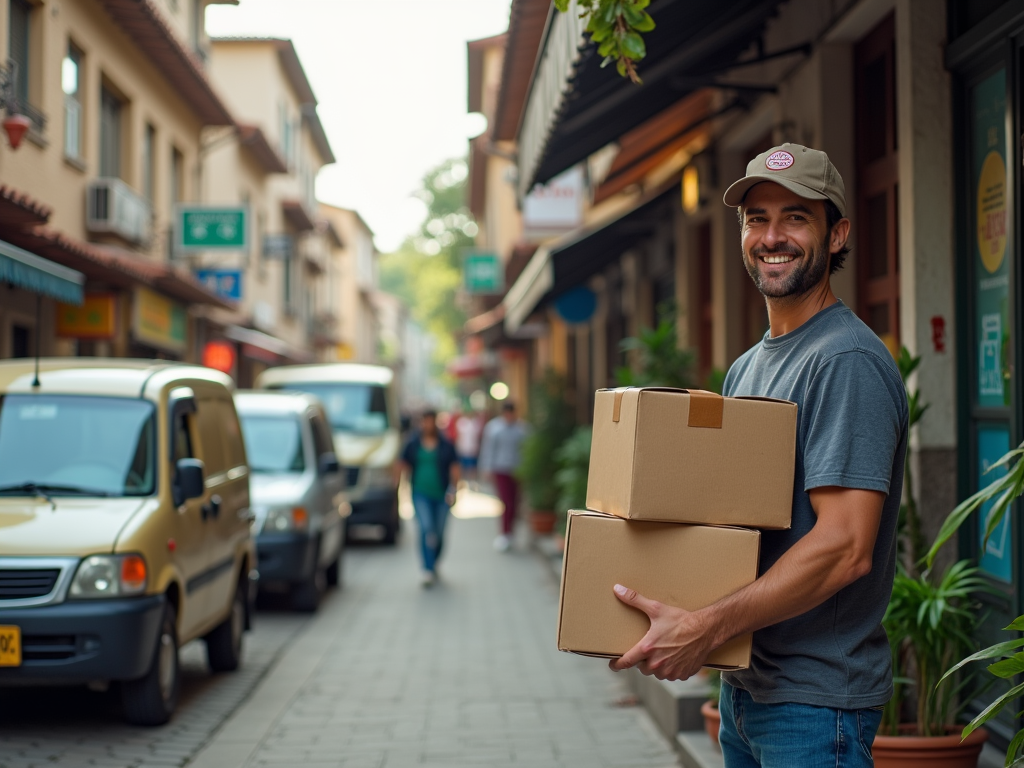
(16, 126)
(219, 355)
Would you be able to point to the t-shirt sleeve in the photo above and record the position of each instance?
(853, 416)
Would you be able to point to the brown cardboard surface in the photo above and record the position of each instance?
(657, 454)
(687, 566)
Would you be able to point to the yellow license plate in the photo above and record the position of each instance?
(10, 646)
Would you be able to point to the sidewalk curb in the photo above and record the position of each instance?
(240, 735)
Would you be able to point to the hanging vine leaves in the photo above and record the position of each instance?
(616, 27)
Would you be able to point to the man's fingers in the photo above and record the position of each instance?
(635, 599)
(630, 658)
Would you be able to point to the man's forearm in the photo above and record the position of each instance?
(810, 572)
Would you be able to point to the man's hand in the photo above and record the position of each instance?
(674, 648)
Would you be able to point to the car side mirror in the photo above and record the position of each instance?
(189, 480)
(328, 464)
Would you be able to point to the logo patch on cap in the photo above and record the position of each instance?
(778, 161)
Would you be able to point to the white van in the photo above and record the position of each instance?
(362, 406)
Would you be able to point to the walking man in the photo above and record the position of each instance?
(433, 470)
(820, 668)
(500, 456)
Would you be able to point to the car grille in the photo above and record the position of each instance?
(22, 583)
(48, 647)
(351, 476)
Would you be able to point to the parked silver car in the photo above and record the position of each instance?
(297, 493)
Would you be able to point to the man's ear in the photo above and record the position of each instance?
(840, 234)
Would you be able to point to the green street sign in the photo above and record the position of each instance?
(211, 228)
(483, 273)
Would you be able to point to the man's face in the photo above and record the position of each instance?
(428, 424)
(510, 416)
(785, 238)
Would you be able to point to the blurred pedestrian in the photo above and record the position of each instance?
(432, 465)
(500, 456)
(468, 429)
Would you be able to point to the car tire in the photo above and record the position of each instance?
(334, 570)
(306, 594)
(151, 699)
(224, 643)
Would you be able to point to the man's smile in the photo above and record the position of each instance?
(777, 258)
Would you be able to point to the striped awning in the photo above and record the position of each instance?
(34, 273)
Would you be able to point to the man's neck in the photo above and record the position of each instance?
(787, 314)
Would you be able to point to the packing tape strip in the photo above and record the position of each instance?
(705, 409)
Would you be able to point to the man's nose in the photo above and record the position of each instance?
(774, 234)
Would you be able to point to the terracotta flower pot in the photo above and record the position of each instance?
(929, 751)
(542, 522)
(713, 720)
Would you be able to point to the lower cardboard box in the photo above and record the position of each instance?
(688, 566)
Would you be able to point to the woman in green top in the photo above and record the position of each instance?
(433, 468)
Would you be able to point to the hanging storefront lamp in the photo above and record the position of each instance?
(691, 189)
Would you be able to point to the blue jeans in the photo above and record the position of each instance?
(794, 735)
(432, 514)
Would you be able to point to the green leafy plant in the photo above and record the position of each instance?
(929, 625)
(616, 26)
(552, 422)
(714, 686)
(573, 457)
(662, 362)
(911, 534)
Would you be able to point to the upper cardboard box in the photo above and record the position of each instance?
(688, 566)
(689, 456)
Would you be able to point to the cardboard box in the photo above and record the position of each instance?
(688, 566)
(689, 456)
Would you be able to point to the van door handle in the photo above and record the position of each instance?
(212, 508)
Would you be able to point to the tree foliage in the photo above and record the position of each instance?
(426, 272)
(616, 26)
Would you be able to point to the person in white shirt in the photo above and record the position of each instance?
(500, 456)
(468, 429)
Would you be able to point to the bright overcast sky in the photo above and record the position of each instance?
(390, 78)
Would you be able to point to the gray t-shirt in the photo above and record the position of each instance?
(851, 432)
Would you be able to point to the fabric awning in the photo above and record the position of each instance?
(265, 342)
(574, 258)
(39, 275)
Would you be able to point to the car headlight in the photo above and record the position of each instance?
(286, 519)
(379, 477)
(109, 576)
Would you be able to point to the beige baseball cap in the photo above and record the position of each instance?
(803, 171)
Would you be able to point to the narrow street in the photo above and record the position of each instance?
(387, 675)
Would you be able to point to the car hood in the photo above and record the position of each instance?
(354, 449)
(69, 527)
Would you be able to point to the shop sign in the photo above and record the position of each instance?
(576, 305)
(344, 351)
(997, 558)
(991, 267)
(219, 355)
(94, 319)
(211, 228)
(483, 273)
(557, 206)
(158, 321)
(226, 283)
(278, 247)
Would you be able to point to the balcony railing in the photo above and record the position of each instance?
(112, 207)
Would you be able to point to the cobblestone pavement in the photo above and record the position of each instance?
(465, 674)
(75, 727)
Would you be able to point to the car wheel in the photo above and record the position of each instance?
(306, 594)
(224, 643)
(333, 572)
(151, 699)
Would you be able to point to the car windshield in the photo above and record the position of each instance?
(351, 407)
(273, 443)
(64, 445)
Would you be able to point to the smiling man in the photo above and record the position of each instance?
(820, 667)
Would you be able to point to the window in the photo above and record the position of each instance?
(18, 46)
(111, 109)
(286, 135)
(149, 162)
(21, 337)
(70, 80)
(177, 175)
(288, 284)
(274, 444)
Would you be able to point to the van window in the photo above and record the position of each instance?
(69, 445)
(211, 438)
(274, 444)
(351, 407)
(322, 440)
(182, 439)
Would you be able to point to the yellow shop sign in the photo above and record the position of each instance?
(158, 321)
(94, 319)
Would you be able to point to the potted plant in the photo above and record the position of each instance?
(660, 360)
(573, 457)
(709, 709)
(928, 620)
(552, 422)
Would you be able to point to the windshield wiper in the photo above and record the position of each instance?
(45, 489)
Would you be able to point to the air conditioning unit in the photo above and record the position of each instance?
(112, 207)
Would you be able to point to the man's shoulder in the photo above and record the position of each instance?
(845, 334)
